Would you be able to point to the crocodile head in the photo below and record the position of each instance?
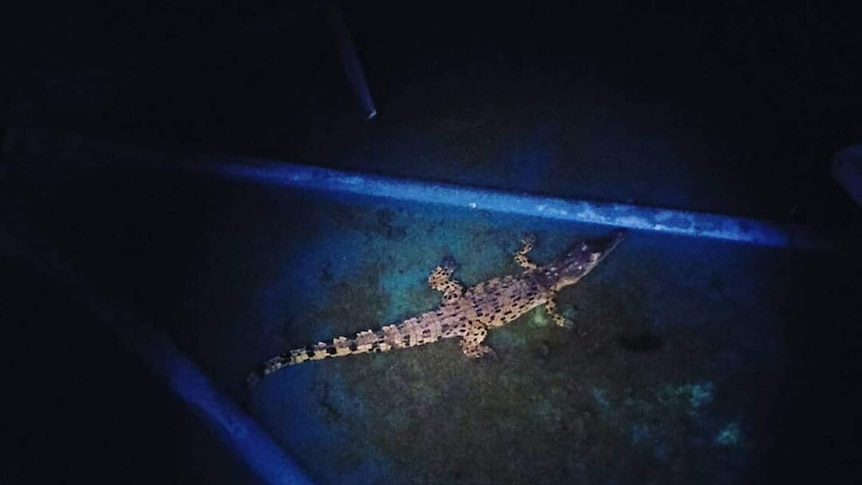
(578, 261)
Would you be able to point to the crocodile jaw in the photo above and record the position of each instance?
(580, 260)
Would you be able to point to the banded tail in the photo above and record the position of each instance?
(387, 338)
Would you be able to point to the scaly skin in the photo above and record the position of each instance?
(467, 314)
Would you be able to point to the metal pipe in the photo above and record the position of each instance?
(670, 221)
(350, 59)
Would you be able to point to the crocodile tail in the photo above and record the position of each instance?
(409, 333)
(363, 342)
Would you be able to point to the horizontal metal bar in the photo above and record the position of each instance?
(63, 153)
(671, 221)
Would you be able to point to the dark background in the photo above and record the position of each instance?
(754, 99)
(727, 107)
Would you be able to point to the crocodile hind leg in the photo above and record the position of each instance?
(471, 342)
(521, 254)
(551, 309)
(441, 280)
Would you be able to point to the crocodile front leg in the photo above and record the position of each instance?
(441, 280)
(471, 343)
(551, 309)
(521, 255)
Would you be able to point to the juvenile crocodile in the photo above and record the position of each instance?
(467, 314)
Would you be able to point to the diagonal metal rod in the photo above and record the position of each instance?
(349, 58)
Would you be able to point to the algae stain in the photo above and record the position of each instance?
(693, 395)
(538, 319)
(700, 394)
(599, 396)
(730, 435)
